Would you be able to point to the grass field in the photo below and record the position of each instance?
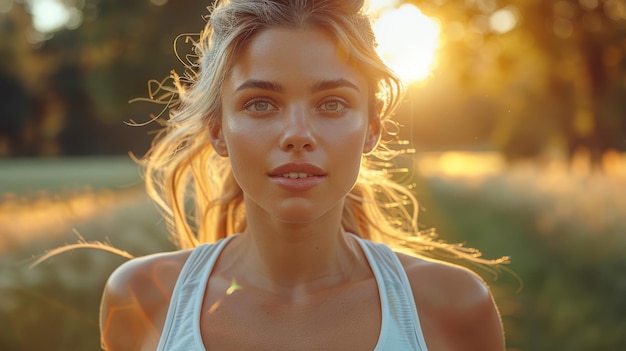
(563, 225)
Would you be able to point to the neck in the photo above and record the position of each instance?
(289, 257)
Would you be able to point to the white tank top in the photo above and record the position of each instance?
(400, 329)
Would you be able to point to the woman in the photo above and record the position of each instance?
(262, 173)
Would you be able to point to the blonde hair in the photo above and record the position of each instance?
(195, 188)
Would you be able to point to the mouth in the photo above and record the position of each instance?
(297, 175)
(297, 171)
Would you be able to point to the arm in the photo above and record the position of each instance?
(456, 308)
(135, 302)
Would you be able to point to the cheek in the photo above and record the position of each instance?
(350, 145)
(346, 147)
(241, 136)
(349, 135)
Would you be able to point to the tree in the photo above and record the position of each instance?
(556, 80)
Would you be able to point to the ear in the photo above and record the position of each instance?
(217, 139)
(373, 135)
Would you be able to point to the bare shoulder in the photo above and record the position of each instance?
(136, 298)
(455, 306)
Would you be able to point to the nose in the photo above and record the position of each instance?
(297, 133)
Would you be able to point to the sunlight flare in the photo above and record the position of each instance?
(53, 15)
(407, 40)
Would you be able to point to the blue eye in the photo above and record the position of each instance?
(257, 106)
(333, 106)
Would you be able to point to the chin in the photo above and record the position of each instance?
(297, 216)
(301, 213)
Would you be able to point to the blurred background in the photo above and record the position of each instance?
(516, 111)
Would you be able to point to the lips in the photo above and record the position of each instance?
(297, 170)
(296, 177)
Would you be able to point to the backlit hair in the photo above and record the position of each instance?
(195, 187)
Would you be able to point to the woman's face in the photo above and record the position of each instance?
(294, 124)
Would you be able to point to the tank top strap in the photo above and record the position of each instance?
(400, 329)
(181, 330)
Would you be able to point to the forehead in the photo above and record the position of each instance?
(293, 55)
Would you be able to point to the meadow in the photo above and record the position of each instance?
(562, 224)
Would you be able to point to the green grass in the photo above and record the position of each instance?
(565, 233)
(54, 175)
(54, 306)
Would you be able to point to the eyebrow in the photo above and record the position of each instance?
(261, 84)
(321, 85)
(328, 84)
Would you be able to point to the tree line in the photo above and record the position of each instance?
(552, 84)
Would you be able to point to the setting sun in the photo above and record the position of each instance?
(407, 40)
